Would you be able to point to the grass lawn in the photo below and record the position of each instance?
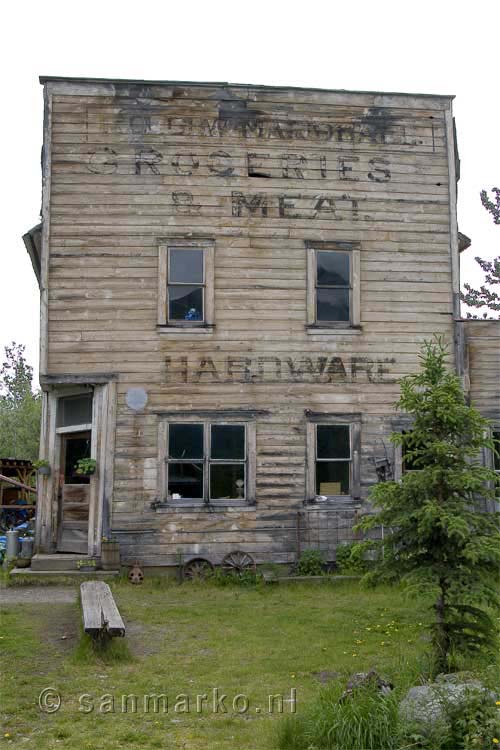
(190, 639)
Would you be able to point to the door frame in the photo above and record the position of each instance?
(102, 450)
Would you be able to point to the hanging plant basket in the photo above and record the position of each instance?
(85, 467)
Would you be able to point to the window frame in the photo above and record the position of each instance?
(189, 326)
(495, 430)
(353, 421)
(249, 462)
(353, 249)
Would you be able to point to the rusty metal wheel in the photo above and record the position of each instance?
(238, 562)
(197, 569)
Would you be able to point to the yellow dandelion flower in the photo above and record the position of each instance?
(496, 741)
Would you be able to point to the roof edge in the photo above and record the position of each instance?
(33, 243)
(137, 81)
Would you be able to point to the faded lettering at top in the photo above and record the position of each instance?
(373, 128)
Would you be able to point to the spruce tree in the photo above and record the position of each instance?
(441, 538)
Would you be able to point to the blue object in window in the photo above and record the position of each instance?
(192, 314)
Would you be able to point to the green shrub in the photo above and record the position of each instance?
(350, 558)
(369, 720)
(311, 563)
(473, 725)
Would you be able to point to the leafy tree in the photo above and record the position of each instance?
(20, 407)
(486, 295)
(441, 539)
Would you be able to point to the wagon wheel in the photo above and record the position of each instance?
(197, 569)
(238, 562)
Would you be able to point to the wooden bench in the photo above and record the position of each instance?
(101, 618)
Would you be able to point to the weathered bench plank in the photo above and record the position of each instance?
(99, 610)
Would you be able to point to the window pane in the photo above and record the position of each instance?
(185, 480)
(332, 477)
(333, 441)
(227, 481)
(74, 410)
(185, 303)
(332, 304)
(333, 268)
(185, 440)
(186, 266)
(227, 441)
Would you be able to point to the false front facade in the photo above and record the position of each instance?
(233, 278)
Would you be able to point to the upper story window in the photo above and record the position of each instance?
(333, 286)
(186, 286)
(333, 299)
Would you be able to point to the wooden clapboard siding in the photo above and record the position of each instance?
(483, 354)
(390, 154)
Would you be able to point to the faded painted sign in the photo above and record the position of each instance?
(210, 370)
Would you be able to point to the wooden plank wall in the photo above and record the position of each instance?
(483, 348)
(133, 165)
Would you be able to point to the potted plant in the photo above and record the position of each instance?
(85, 467)
(110, 553)
(87, 564)
(42, 466)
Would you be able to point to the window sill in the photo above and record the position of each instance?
(330, 500)
(191, 505)
(316, 330)
(205, 328)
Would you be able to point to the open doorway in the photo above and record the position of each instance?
(74, 433)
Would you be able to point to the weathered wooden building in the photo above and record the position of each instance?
(232, 280)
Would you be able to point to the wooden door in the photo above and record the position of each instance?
(74, 494)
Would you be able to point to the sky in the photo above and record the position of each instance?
(437, 47)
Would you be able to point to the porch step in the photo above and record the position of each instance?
(57, 561)
(77, 574)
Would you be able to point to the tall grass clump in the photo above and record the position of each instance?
(364, 720)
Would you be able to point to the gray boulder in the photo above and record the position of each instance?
(427, 706)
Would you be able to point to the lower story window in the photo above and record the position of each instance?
(496, 452)
(207, 462)
(333, 457)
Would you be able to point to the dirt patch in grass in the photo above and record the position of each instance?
(60, 626)
(38, 595)
(144, 640)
